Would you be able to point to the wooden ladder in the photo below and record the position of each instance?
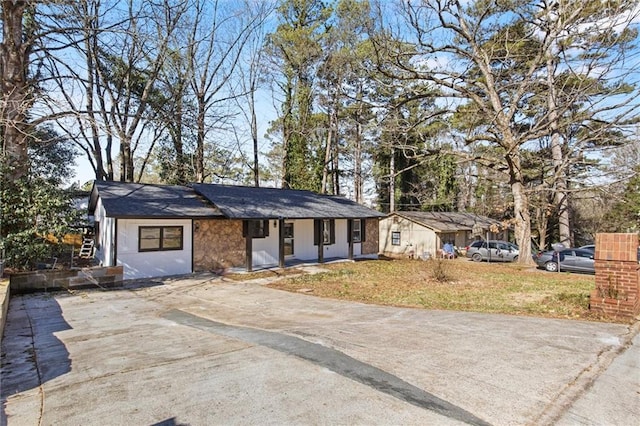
(86, 251)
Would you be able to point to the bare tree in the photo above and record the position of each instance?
(250, 77)
(218, 37)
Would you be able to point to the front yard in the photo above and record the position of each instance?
(463, 285)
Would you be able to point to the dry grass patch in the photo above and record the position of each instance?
(452, 285)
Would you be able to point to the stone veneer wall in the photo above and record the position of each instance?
(218, 244)
(372, 234)
(617, 292)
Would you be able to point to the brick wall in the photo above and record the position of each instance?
(617, 292)
(218, 244)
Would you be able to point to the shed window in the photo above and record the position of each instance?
(395, 238)
(160, 238)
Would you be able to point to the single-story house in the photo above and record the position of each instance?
(162, 230)
(423, 234)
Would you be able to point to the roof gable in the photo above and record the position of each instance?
(123, 199)
(245, 202)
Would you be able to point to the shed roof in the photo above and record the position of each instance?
(246, 202)
(135, 200)
(449, 221)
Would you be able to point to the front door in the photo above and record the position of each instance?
(288, 239)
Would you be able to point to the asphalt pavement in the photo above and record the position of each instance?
(202, 350)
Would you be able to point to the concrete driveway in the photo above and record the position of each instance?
(201, 350)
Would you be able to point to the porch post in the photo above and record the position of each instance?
(321, 241)
(281, 242)
(350, 237)
(249, 245)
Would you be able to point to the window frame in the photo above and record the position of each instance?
(289, 238)
(396, 238)
(161, 238)
(356, 231)
(319, 234)
(326, 232)
(260, 228)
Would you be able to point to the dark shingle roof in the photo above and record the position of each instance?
(244, 202)
(450, 221)
(121, 199)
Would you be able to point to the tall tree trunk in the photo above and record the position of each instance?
(392, 181)
(327, 156)
(520, 207)
(357, 165)
(286, 137)
(15, 98)
(91, 47)
(561, 199)
(200, 134)
(335, 162)
(254, 135)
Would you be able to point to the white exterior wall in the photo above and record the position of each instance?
(341, 247)
(265, 250)
(153, 263)
(105, 244)
(414, 238)
(303, 247)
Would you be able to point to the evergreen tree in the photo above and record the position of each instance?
(35, 207)
(296, 48)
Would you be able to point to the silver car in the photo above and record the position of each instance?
(493, 251)
(567, 260)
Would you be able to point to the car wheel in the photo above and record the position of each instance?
(477, 257)
(551, 266)
(515, 258)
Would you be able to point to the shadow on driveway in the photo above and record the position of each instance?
(31, 352)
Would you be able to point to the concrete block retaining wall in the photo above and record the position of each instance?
(29, 282)
(36, 281)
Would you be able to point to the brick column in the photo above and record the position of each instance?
(617, 292)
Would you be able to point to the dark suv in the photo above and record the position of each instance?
(493, 251)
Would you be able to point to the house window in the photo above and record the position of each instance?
(288, 239)
(395, 238)
(259, 228)
(159, 238)
(325, 231)
(357, 230)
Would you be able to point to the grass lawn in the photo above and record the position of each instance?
(463, 286)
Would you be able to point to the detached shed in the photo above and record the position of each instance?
(423, 234)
